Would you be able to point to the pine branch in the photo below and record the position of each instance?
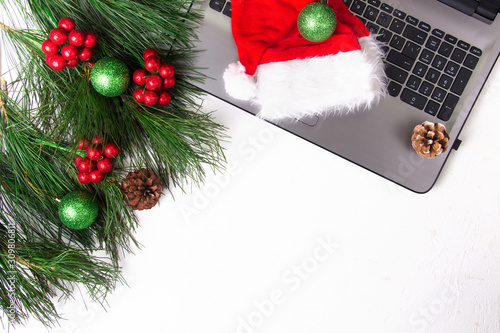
(45, 115)
(32, 273)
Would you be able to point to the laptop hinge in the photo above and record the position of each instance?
(488, 9)
(484, 10)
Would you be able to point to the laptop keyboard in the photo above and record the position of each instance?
(221, 6)
(427, 68)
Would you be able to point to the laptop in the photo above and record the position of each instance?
(438, 57)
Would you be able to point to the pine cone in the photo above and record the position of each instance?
(141, 189)
(430, 139)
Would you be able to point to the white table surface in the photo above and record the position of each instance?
(294, 239)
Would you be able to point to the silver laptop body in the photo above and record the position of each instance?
(377, 139)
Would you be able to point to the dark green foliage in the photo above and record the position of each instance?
(44, 116)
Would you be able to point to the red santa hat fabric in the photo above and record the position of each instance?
(290, 76)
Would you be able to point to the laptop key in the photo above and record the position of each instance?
(450, 39)
(393, 89)
(227, 9)
(375, 3)
(445, 49)
(426, 88)
(438, 94)
(372, 27)
(217, 5)
(426, 57)
(371, 13)
(420, 69)
(400, 60)
(458, 55)
(358, 7)
(397, 26)
(432, 75)
(411, 50)
(413, 82)
(412, 20)
(471, 61)
(448, 107)
(438, 33)
(397, 42)
(386, 8)
(432, 108)
(415, 34)
(463, 45)
(384, 36)
(476, 51)
(384, 19)
(451, 68)
(439, 62)
(461, 81)
(445, 81)
(424, 26)
(399, 14)
(433, 43)
(414, 99)
(396, 74)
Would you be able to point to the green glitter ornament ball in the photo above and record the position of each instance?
(316, 22)
(110, 77)
(78, 210)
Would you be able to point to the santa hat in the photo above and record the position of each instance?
(291, 77)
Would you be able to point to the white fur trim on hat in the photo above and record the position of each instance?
(337, 83)
(239, 84)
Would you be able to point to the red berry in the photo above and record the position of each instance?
(166, 70)
(139, 95)
(76, 37)
(105, 165)
(72, 63)
(85, 54)
(150, 98)
(153, 82)
(49, 48)
(57, 62)
(83, 144)
(58, 36)
(96, 176)
(67, 23)
(152, 63)
(98, 140)
(69, 52)
(86, 165)
(84, 177)
(139, 76)
(150, 52)
(164, 98)
(90, 39)
(78, 160)
(168, 83)
(111, 150)
(47, 59)
(94, 152)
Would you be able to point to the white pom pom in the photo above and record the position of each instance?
(239, 84)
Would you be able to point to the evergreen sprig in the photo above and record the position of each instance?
(45, 115)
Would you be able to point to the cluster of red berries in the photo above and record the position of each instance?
(61, 54)
(99, 159)
(157, 77)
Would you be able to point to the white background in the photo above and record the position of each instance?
(292, 238)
